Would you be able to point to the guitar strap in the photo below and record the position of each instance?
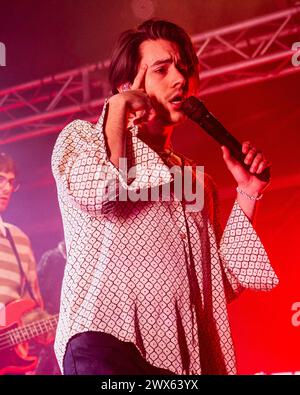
(13, 246)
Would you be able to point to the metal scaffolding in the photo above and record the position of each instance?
(248, 52)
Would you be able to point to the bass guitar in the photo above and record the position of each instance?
(14, 337)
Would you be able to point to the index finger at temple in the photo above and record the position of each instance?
(140, 78)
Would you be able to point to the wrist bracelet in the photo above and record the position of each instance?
(250, 197)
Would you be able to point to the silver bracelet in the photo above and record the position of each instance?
(250, 197)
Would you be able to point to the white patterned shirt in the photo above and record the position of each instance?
(149, 272)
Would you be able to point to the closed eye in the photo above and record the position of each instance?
(182, 69)
(161, 70)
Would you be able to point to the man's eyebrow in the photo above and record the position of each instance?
(162, 61)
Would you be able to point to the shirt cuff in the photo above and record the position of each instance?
(243, 254)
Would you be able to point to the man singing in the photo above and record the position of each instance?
(147, 280)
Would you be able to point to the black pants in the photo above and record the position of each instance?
(98, 353)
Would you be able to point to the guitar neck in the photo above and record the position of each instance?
(32, 330)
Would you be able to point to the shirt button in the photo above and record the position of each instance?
(182, 236)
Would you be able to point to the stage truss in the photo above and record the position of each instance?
(248, 52)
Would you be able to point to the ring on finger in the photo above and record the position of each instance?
(126, 87)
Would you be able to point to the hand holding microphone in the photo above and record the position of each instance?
(198, 113)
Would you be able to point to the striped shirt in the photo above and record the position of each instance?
(11, 283)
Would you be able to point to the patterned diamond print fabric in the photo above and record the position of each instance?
(149, 272)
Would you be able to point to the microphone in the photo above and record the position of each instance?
(197, 112)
